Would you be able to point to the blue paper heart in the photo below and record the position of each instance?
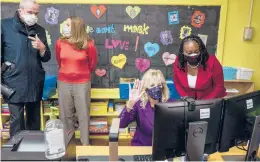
(151, 48)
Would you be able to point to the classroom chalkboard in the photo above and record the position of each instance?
(138, 32)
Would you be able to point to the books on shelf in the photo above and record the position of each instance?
(5, 130)
(5, 109)
(132, 131)
(98, 125)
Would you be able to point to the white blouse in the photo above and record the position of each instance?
(192, 81)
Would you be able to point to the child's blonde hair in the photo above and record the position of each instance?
(150, 78)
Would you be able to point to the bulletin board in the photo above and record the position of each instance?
(130, 38)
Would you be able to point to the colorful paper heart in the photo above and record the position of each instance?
(142, 64)
(168, 58)
(132, 11)
(61, 27)
(100, 72)
(119, 61)
(98, 11)
(151, 48)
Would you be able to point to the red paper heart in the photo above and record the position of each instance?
(100, 72)
(142, 64)
(98, 11)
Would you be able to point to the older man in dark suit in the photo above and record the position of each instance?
(24, 47)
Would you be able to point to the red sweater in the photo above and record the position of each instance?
(209, 85)
(75, 66)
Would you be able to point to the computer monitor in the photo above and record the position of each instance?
(240, 114)
(170, 131)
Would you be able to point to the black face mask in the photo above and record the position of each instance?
(193, 59)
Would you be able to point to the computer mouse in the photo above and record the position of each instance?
(121, 159)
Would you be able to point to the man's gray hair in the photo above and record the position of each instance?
(26, 3)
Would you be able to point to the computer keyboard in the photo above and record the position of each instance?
(143, 158)
(121, 158)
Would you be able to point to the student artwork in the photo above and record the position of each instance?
(198, 19)
(101, 30)
(168, 58)
(173, 17)
(100, 72)
(204, 38)
(52, 15)
(132, 11)
(151, 49)
(166, 37)
(107, 29)
(136, 42)
(110, 44)
(119, 61)
(61, 27)
(140, 29)
(98, 11)
(142, 64)
(48, 37)
(185, 31)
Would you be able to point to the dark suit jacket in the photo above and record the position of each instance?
(27, 78)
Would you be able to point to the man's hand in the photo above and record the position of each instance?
(37, 43)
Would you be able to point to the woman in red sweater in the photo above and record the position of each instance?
(196, 73)
(76, 55)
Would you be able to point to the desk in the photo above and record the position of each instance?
(139, 150)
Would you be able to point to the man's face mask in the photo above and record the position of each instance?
(28, 18)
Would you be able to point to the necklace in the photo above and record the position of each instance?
(193, 67)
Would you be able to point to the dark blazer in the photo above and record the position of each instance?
(27, 77)
(210, 82)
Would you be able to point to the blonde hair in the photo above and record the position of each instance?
(79, 36)
(150, 78)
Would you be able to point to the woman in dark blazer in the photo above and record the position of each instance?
(196, 73)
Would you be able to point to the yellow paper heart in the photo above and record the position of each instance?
(133, 11)
(61, 27)
(119, 61)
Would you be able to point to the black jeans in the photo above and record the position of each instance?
(33, 119)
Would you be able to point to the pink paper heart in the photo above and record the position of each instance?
(100, 72)
(142, 64)
(168, 58)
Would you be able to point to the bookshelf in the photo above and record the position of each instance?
(96, 95)
(238, 87)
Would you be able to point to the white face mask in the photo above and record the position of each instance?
(30, 19)
(66, 30)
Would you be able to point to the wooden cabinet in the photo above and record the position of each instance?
(238, 87)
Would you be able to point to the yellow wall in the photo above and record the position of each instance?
(236, 51)
(232, 50)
